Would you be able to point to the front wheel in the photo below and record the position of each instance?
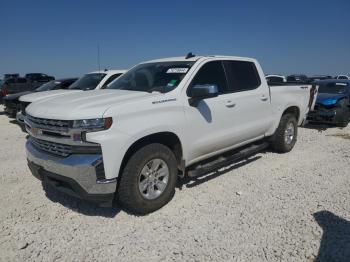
(148, 179)
(343, 114)
(285, 135)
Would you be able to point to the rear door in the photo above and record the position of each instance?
(251, 115)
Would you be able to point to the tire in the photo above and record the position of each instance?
(343, 114)
(133, 178)
(288, 126)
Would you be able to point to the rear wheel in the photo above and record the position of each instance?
(148, 179)
(285, 135)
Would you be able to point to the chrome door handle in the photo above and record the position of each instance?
(230, 104)
(264, 98)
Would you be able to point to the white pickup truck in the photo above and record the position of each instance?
(161, 120)
(90, 81)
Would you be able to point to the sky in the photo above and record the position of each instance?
(61, 38)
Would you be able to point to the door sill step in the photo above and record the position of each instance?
(223, 161)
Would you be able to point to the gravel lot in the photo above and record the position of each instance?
(290, 207)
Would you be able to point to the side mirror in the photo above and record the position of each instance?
(200, 92)
(204, 91)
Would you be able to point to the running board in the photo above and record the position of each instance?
(223, 161)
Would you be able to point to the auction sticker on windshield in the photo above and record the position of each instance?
(177, 71)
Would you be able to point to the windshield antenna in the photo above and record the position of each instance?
(98, 57)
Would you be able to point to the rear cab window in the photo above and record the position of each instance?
(241, 75)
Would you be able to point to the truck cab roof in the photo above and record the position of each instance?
(196, 58)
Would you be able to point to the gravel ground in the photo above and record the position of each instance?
(275, 207)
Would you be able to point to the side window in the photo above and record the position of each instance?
(21, 80)
(110, 79)
(242, 75)
(210, 73)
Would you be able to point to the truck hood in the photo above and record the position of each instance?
(327, 99)
(46, 94)
(82, 105)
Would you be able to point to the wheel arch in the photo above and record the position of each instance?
(168, 139)
(293, 110)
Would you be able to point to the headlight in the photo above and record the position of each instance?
(329, 102)
(93, 124)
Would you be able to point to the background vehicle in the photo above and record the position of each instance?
(344, 77)
(90, 81)
(12, 104)
(276, 79)
(297, 78)
(319, 77)
(9, 76)
(28, 83)
(3, 88)
(332, 105)
(160, 119)
(2, 92)
(38, 77)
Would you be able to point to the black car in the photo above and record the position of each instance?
(12, 104)
(319, 77)
(297, 78)
(39, 77)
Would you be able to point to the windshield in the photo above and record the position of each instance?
(333, 88)
(161, 77)
(48, 86)
(88, 81)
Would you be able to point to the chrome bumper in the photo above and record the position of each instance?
(76, 172)
(20, 118)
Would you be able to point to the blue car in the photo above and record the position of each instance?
(332, 104)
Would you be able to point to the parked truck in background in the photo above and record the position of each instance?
(90, 81)
(12, 103)
(161, 120)
(15, 84)
(8, 76)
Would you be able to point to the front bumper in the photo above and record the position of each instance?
(75, 175)
(322, 116)
(20, 118)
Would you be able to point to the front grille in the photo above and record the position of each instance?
(48, 124)
(51, 147)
